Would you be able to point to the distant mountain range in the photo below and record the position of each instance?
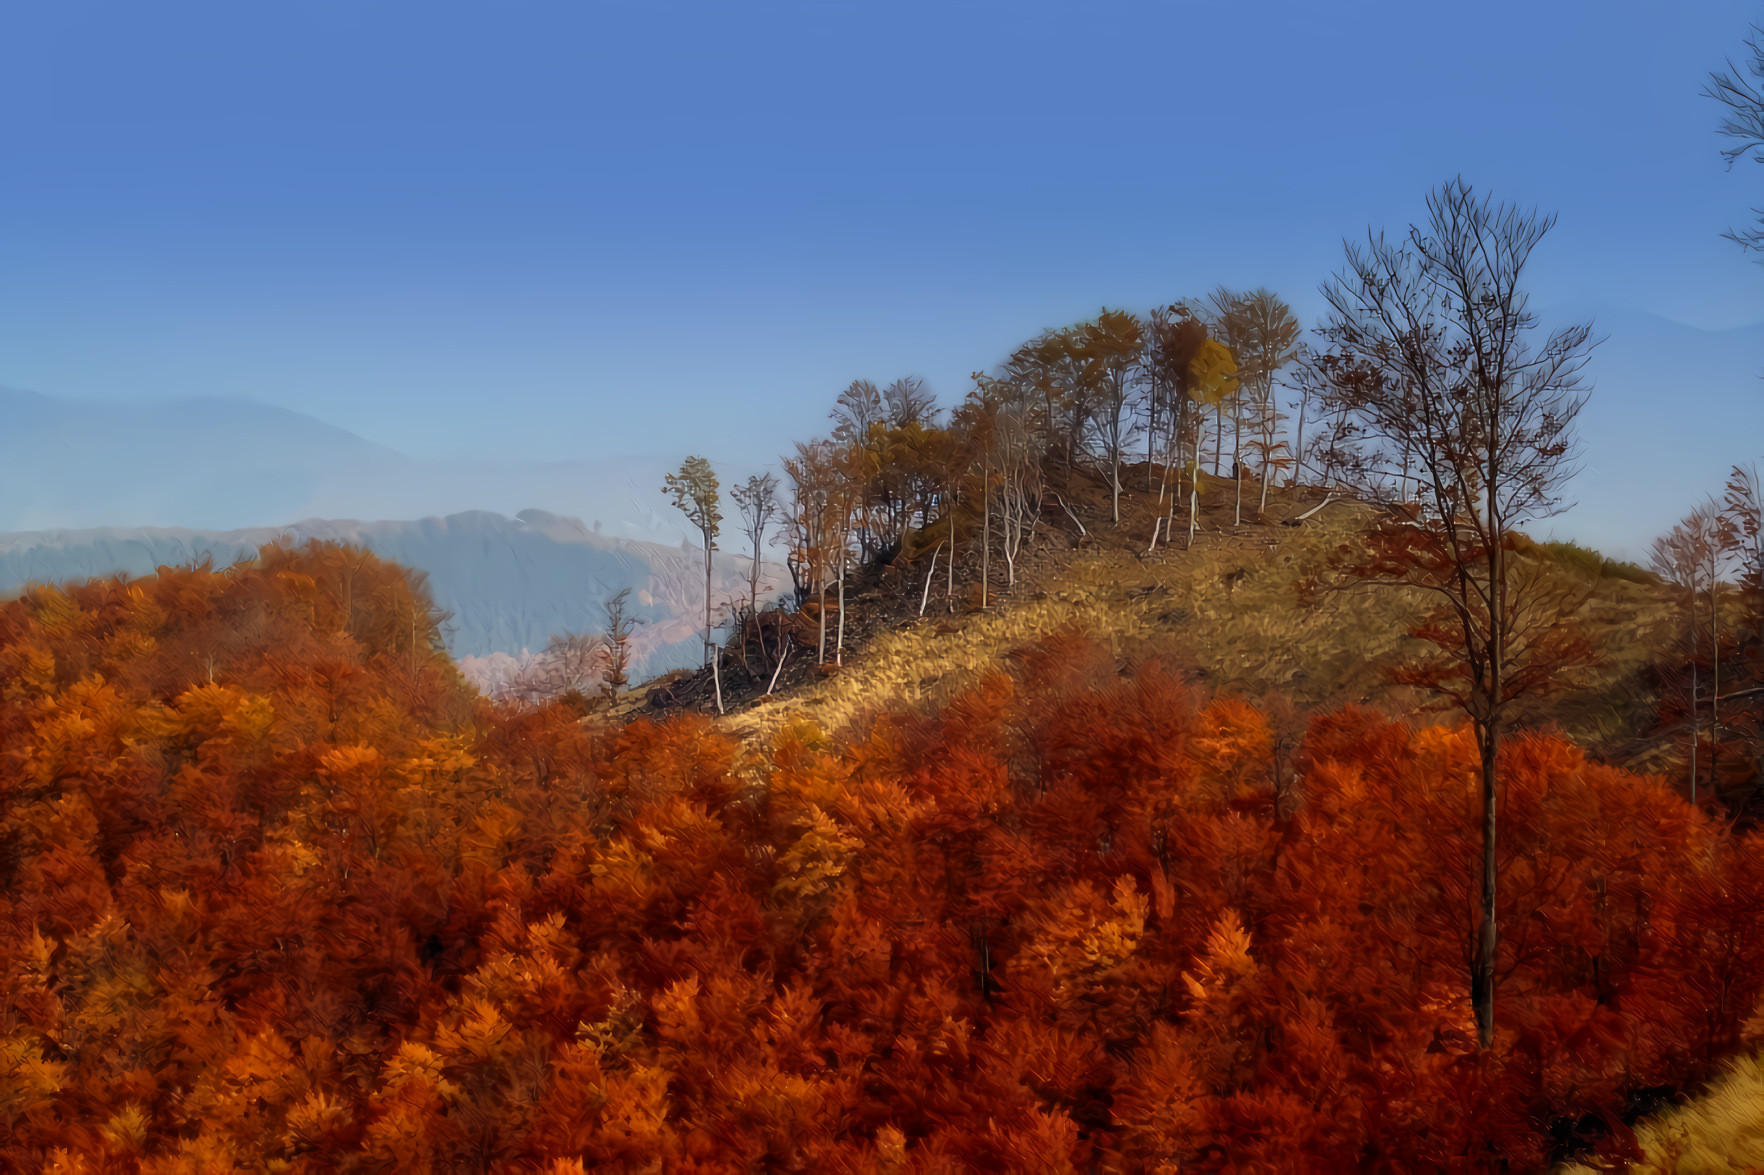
(226, 464)
(510, 582)
(1672, 408)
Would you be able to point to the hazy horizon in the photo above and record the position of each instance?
(538, 235)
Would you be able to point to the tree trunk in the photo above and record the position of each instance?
(925, 598)
(1715, 683)
(1115, 453)
(710, 655)
(1194, 488)
(1115, 486)
(1696, 735)
(707, 599)
(821, 651)
(717, 681)
(1150, 432)
(753, 602)
(1237, 466)
(839, 644)
(985, 533)
(1482, 970)
(1298, 454)
(1269, 424)
(1488, 730)
(1696, 732)
(949, 578)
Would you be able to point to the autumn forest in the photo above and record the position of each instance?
(283, 893)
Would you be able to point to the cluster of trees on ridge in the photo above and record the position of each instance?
(277, 891)
(1431, 383)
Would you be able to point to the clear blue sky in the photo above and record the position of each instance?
(556, 230)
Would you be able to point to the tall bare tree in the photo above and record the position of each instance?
(847, 468)
(1743, 123)
(1174, 335)
(857, 411)
(1263, 335)
(694, 493)
(1692, 556)
(1009, 427)
(1743, 517)
(1470, 398)
(1227, 323)
(909, 403)
(1069, 379)
(757, 501)
(1112, 347)
(1270, 342)
(812, 524)
(618, 644)
(1742, 529)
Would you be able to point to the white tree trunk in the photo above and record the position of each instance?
(926, 596)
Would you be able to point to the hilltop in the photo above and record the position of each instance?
(1225, 611)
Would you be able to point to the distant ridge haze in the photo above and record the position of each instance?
(510, 583)
(1673, 408)
(228, 464)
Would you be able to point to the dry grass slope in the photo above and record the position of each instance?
(1228, 614)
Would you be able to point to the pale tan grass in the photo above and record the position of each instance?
(1720, 1131)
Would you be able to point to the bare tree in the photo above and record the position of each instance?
(1691, 556)
(847, 468)
(618, 644)
(1483, 412)
(1112, 347)
(1742, 530)
(1069, 379)
(1743, 518)
(576, 661)
(1263, 335)
(811, 524)
(1270, 343)
(694, 491)
(857, 411)
(1173, 337)
(1012, 438)
(1744, 122)
(1227, 322)
(757, 501)
(909, 403)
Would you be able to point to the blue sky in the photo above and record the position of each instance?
(563, 230)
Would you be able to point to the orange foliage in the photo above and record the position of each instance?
(279, 894)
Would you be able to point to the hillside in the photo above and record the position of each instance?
(1000, 893)
(1225, 612)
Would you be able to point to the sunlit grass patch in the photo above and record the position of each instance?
(1720, 1130)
